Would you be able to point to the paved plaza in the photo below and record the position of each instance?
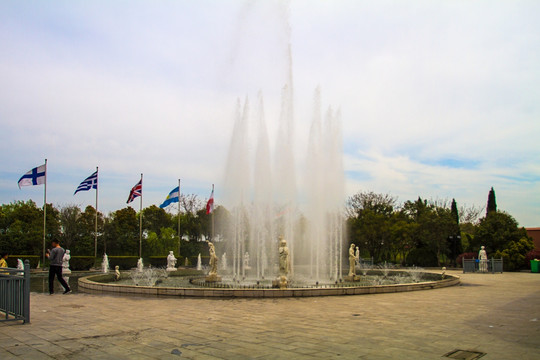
(495, 314)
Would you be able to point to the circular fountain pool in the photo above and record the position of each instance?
(373, 282)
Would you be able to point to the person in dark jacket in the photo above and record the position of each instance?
(55, 255)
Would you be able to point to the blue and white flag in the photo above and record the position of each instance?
(88, 183)
(172, 197)
(36, 176)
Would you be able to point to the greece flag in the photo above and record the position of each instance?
(172, 197)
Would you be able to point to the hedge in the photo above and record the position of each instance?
(124, 262)
(81, 263)
(34, 260)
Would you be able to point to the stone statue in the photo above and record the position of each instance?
(246, 261)
(212, 274)
(117, 273)
(171, 262)
(213, 259)
(352, 261)
(65, 263)
(284, 259)
(357, 256)
(482, 257)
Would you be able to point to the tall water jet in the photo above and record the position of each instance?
(267, 203)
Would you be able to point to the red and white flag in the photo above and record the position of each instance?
(135, 192)
(210, 203)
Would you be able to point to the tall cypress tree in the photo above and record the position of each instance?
(454, 211)
(492, 203)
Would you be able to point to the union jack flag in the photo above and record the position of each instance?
(135, 192)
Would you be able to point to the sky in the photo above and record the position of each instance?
(438, 99)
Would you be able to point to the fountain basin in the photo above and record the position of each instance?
(98, 284)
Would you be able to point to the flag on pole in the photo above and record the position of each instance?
(172, 197)
(36, 176)
(210, 203)
(135, 192)
(88, 183)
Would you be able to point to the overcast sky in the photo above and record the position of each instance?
(439, 99)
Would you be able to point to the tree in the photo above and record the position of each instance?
(492, 203)
(69, 218)
(87, 228)
(155, 218)
(496, 232)
(122, 232)
(370, 220)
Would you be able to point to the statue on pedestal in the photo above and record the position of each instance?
(212, 274)
(482, 257)
(171, 262)
(284, 259)
(65, 263)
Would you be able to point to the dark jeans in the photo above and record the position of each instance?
(56, 270)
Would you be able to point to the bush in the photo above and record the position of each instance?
(34, 260)
(468, 255)
(81, 263)
(531, 255)
(159, 261)
(422, 257)
(514, 254)
(124, 262)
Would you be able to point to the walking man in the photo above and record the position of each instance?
(55, 255)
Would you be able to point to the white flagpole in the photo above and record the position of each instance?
(95, 229)
(179, 236)
(44, 212)
(140, 223)
(213, 204)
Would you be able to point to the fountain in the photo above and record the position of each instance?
(224, 261)
(199, 262)
(140, 265)
(20, 266)
(265, 201)
(105, 264)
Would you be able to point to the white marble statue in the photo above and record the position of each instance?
(482, 257)
(284, 259)
(213, 259)
(352, 261)
(65, 262)
(171, 262)
(117, 273)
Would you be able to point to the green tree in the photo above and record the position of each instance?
(496, 231)
(492, 203)
(370, 221)
(155, 218)
(69, 227)
(121, 233)
(86, 225)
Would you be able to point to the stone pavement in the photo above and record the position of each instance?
(497, 314)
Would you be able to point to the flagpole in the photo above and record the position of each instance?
(179, 236)
(95, 229)
(44, 211)
(213, 212)
(140, 223)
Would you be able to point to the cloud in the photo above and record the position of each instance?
(437, 99)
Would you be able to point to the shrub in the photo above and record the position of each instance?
(422, 257)
(124, 262)
(469, 255)
(514, 254)
(159, 261)
(533, 254)
(81, 263)
(34, 260)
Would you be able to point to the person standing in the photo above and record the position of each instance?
(3, 260)
(56, 255)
